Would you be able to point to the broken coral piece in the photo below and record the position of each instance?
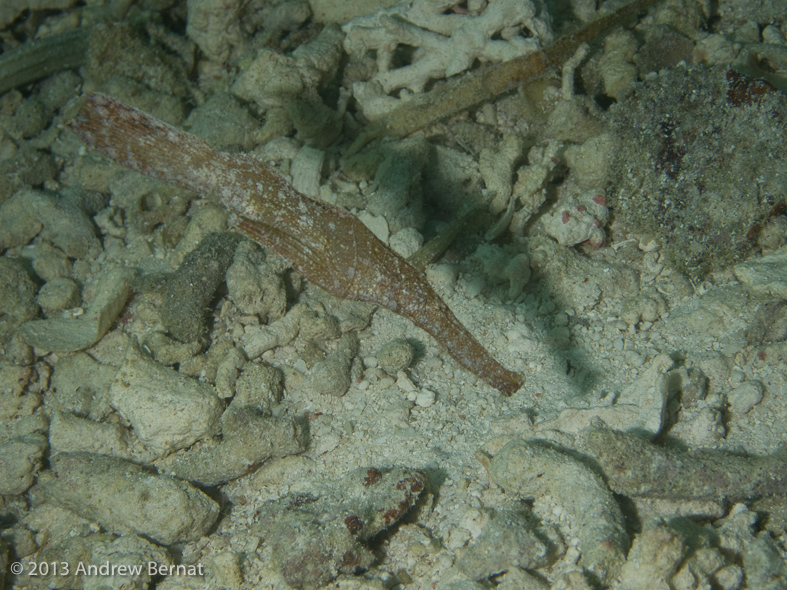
(20, 460)
(482, 84)
(189, 289)
(167, 409)
(120, 495)
(17, 296)
(635, 467)
(287, 87)
(249, 438)
(331, 375)
(446, 44)
(507, 541)
(579, 218)
(561, 484)
(316, 537)
(55, 217)
(70, 335)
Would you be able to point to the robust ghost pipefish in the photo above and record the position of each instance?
(327, 245)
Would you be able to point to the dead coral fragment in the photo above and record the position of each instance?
(635, 467)
(258, 339)
(655, 555)
(69, 335)
(447, 43)
(188, 290)
(507, 542)
(249, 439)
(55, 216)
(168, 410)
(557, 481)
(331, 376)
(458, 94)
(17, 296)
(20, 459)
(316, 537)
(120, 495)
(254, 286)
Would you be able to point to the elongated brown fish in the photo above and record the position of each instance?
(327, 245)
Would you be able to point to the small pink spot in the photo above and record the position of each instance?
(564, 217)
(581, 208)
(600, 200)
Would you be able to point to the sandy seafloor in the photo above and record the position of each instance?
(618, 331)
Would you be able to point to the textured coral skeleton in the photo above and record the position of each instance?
(488, 82)
(328, 245)
(447, 42)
